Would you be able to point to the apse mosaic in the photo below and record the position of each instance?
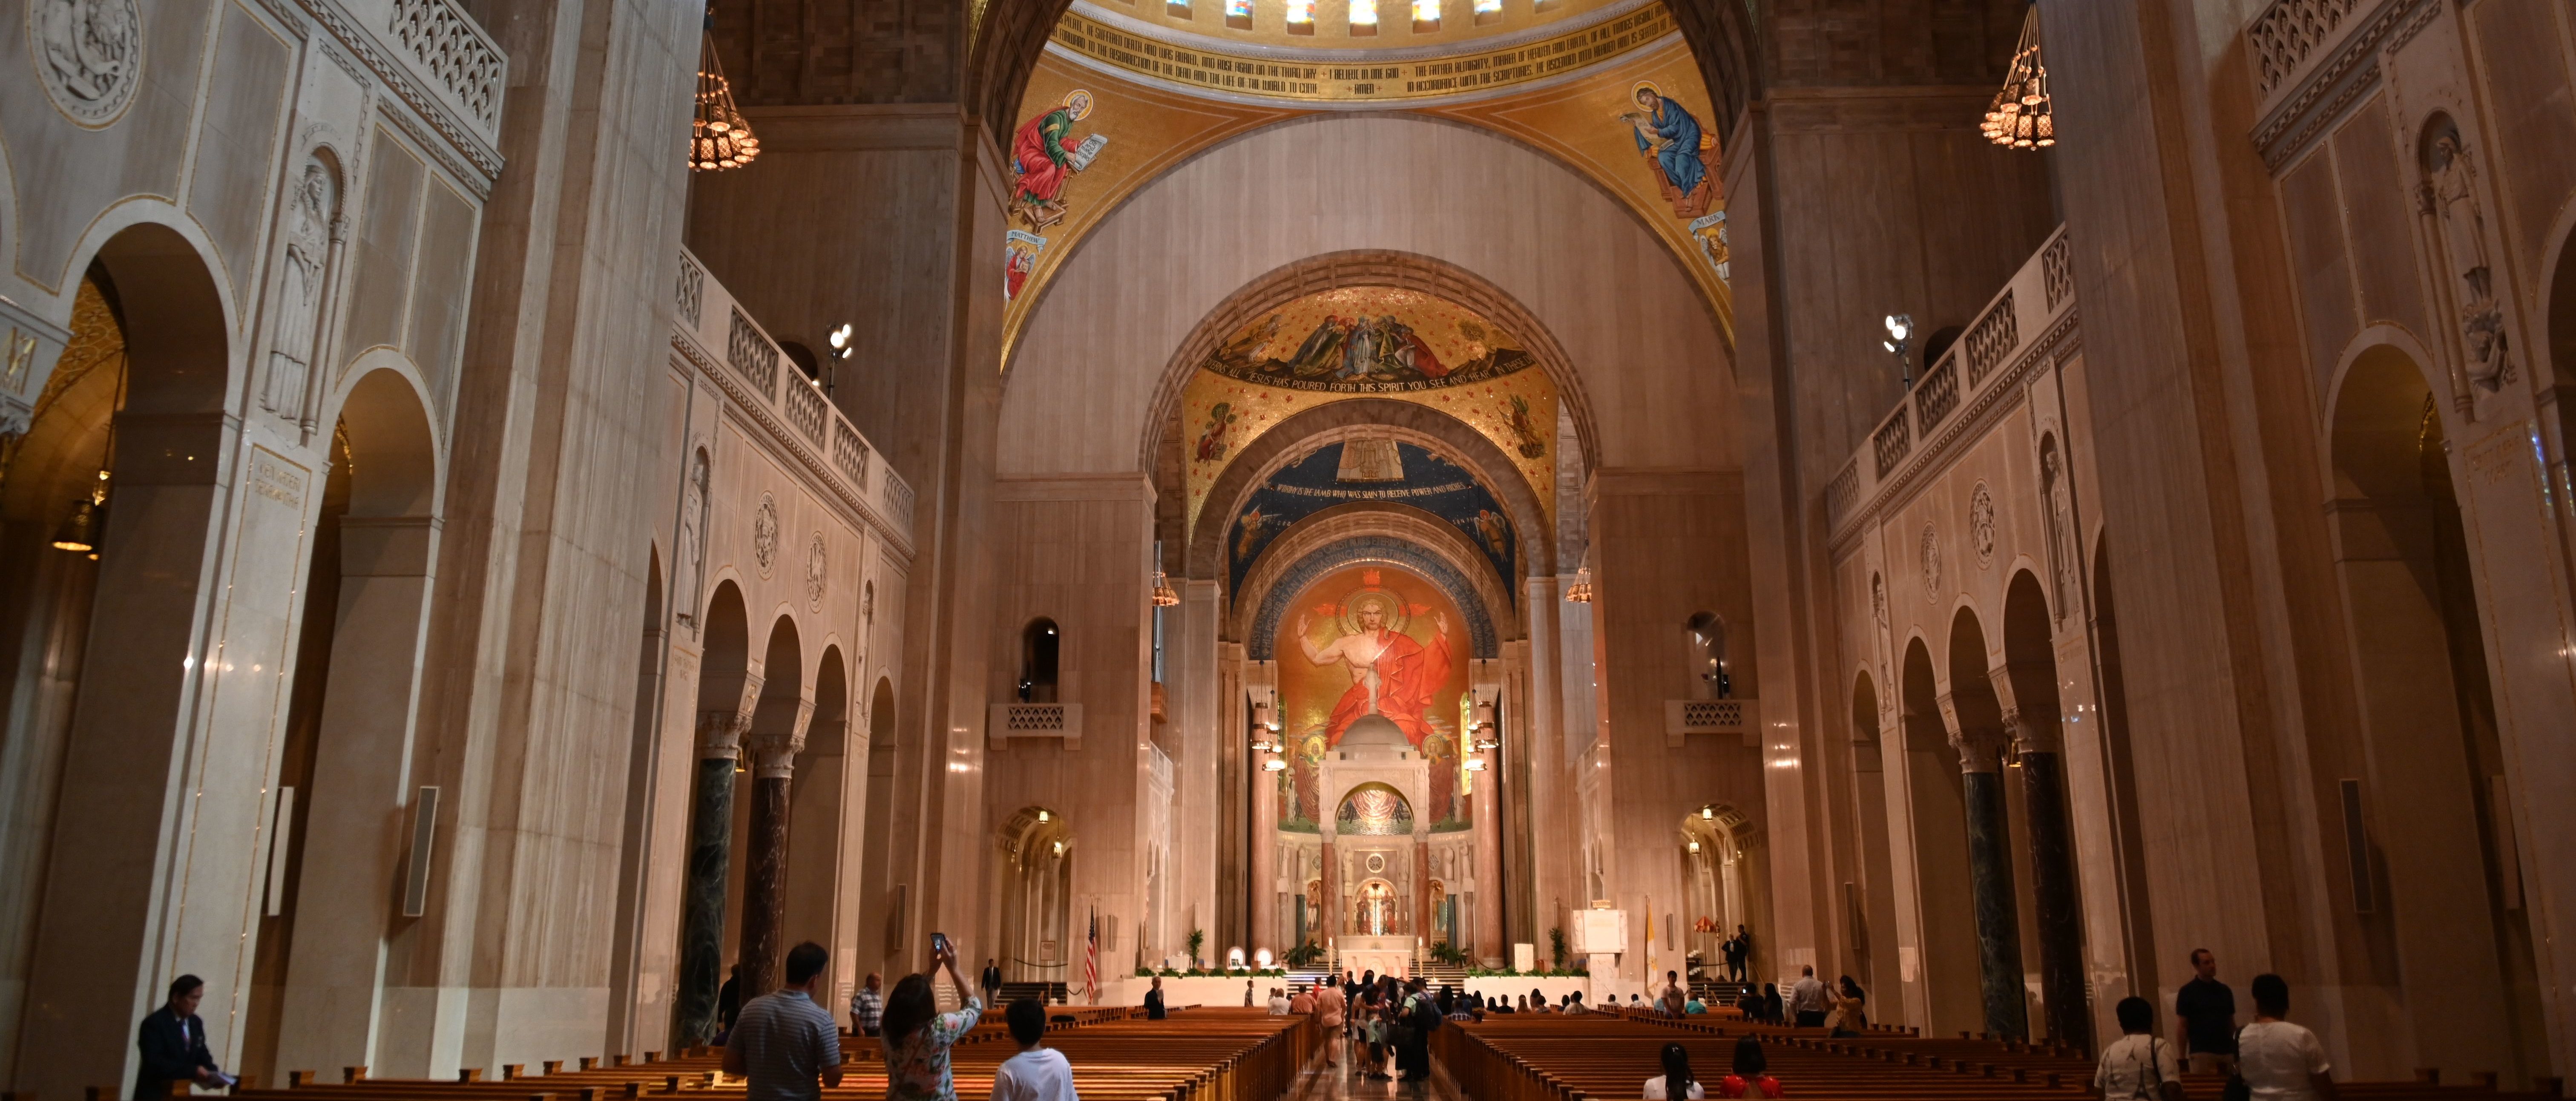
(1377, 342)
(1374, 810)
(1372, 640)
(1370, 470)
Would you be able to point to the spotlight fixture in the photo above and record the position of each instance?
(1274, 765)
(2021, 116)
(842, 344)
(1475, 764)
(1581, 591)
(1485, 744)
(1899, 327)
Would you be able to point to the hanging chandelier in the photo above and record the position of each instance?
(718, 137)
(1164, 597)
(1581, 591)
(2021, 116)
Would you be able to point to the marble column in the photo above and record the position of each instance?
(1990, 877)
(1424, 906)
(764, 874)
(1333, 913)
(702, 896)
(2052, 876)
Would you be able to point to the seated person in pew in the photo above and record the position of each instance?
(1037, 1073)
(1749, 1079)
(1694, 1007)
(1675, 1083)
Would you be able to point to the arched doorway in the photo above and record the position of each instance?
(1036, 870)
(349, 739)
(1945, 912)
(2419, 784)
(1869, 905)
(1717, 889)
(1983, 748)
(817, 812)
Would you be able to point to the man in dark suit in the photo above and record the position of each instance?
(173, 1042)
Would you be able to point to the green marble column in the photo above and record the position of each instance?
(764, 885)
(2060, 915)
(702, 903)
(1990, 884)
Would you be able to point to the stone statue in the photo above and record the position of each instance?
(2061, 525)
(691, 558)
(309, 218)
(2450, 188)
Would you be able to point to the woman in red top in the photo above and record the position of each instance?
(1748, 1079)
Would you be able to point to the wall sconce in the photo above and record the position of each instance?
(1042, 815)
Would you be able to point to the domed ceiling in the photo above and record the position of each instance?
(1356, 52)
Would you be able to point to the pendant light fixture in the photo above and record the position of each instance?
(718, 137)
(83, 530)
(2021, 116)
(1581, 591)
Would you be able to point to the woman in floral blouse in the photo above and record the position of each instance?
(917, 1035)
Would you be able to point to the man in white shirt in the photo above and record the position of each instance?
(2281, 1061)
(1807, 999)
(1037, 1073)
(2137, 1066)
(1278, 1002)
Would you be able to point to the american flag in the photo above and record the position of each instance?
(1091, 962)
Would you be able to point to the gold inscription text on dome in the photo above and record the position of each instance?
(1471, 71)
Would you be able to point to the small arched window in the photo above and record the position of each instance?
(1039, 645)
(1704, 638)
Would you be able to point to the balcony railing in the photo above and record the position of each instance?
(712, 329)
(1992, 356)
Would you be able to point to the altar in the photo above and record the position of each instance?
(1387, 955)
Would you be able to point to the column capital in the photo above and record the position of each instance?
(720, 729)
(2032, 730)
(773, 754)
(1980, 748)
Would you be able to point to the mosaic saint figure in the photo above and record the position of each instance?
(1391, 674)
(1669, 137)
(1043, 157)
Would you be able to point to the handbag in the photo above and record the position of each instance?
(2237, 1089)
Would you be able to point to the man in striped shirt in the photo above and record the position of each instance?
(867, 1007)
(783, 1041)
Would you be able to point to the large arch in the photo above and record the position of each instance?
(1644, 351)
(2427, 741)
(1364, 520)
(1300, 434)
(1359, 268)
(1402, 552)
(100, 954)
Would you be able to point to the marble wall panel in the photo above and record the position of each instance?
(237, 141)
(2379, 221)
(66, 174)
(382, 244)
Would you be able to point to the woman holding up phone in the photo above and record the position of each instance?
(917, 1036)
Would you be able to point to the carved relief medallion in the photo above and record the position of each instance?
(814, 574)
(1981, 525)
(89, 54)
(764, 534)
(1931, 565)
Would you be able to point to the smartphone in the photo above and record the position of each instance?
(939, 944)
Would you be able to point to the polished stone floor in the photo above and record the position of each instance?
(1322, 1081)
